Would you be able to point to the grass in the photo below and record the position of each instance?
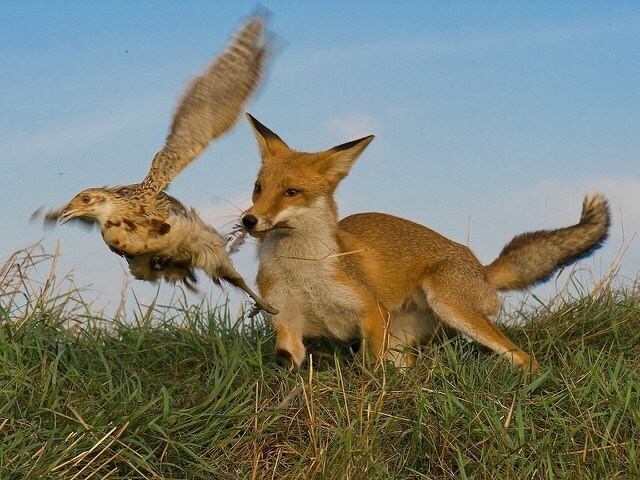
(185, 392)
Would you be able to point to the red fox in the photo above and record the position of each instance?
(389, 281)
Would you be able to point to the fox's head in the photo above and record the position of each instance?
(294, 190)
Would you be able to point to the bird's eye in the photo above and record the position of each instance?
(291, 192)
(257, 188)
(86, 199)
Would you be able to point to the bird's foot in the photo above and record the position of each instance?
(262, 306)
(158, 263)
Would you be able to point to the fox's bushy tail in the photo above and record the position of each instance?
(532, 257)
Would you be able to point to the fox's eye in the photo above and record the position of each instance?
(291, 192)
(257, 188)
(86, 199)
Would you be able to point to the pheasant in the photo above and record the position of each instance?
(157, 235)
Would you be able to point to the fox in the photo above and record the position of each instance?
(390, 282)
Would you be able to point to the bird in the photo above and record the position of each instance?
(154, 232)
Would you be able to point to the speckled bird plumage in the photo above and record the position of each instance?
(157, 235)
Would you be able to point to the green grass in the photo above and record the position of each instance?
(183, 392)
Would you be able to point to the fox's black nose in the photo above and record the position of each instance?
(249, 221)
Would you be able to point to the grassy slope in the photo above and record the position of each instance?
(182, 393)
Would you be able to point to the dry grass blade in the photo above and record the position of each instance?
(288, 399)
(81, 456)
(14, 272)
(100, 453)
(507, 420)
(78, 417)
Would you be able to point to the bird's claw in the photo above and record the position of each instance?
(258, 307)
(158, 263)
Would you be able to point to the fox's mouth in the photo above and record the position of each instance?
(260, 226)
(280, 227)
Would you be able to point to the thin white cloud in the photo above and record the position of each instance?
(354, 126)
(559, 201)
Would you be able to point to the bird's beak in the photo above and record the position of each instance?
(62, 216)
(72, 213)
(66, 214)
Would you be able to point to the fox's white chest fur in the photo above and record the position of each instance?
(301, 265)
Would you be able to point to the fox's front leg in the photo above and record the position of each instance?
(375, 328)
(290, 348)
(288, 323)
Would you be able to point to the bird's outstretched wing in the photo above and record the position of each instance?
(212, 103)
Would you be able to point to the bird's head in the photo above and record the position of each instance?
(92, 204)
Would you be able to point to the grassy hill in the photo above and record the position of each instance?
(185, 392)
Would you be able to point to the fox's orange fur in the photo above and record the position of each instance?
(388, 280)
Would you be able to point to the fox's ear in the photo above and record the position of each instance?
(268, 142)
(340, 159)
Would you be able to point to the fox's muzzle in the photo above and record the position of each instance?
(249, 222)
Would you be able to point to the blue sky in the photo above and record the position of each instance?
(491, 118)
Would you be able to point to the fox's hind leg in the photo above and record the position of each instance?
(403, 335)
(463, 299)
(411, 327)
